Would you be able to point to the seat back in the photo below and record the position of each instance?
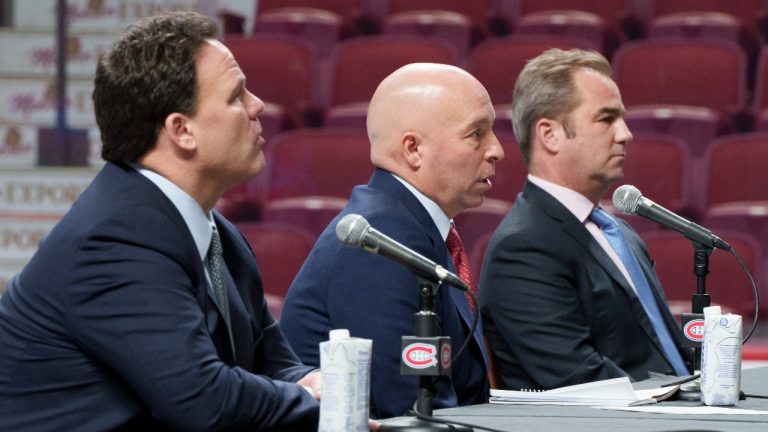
(569, 23)
(474, 223)
(659, 166)
(735, 169)
(497, 62)
(696, 126)
(280, 251)
(319, 27)
(313, 213)
(511, 171)
(452, 27)
(358, 65)
(705, 73)
(312, 162)
(727, 284)
(288, 79)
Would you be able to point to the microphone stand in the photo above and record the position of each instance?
(699, 301)
(426, 330)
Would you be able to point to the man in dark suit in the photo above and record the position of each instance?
(559, 304)
(431, 140)
(127, 317)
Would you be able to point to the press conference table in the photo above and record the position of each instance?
(586, 419)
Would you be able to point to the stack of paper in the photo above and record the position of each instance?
(611, 392)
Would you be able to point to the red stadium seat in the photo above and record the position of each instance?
(244, 202)
(474, 223)
(727, 283)
(696, 126)
(320, 27)
(352, 115)
(706, 73)
(312, 162)
(569, 23)
(511, 171)
(290, 77)
(497, 62)
(751, 13)
(313, 213)
(709, 25)
(750, 217)
(659, 166)
(481, 13)
(702, 25)
(357, 15)
(617, 14)
(452, 27)
(358, 65)
(736, 167)
(280, 250)
(760, 97)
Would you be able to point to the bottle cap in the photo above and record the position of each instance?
(712, 310)
(338, 334)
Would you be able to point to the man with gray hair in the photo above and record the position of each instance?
(568, 292)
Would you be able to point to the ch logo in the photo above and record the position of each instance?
(420, 355)
(694, 330)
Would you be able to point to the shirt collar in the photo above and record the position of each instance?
(575, 202)
(200, 225)
(441, 220)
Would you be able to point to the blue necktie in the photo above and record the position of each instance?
(619, 244)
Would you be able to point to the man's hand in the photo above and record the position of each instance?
(311, 382)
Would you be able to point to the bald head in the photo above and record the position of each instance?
(431, 125)
(417, 98)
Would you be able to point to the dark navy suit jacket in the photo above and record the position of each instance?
(111, 325)
(376, 298)
(556, 310)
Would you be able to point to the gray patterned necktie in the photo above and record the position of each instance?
(215, 262)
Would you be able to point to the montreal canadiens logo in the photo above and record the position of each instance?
(694, 330)
(420, 355)
(445, 356)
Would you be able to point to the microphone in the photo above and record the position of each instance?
(354, 231)
(628, 200)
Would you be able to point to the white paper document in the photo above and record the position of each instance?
(611, 392)
(692, 410)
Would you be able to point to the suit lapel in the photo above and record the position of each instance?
(384, 181)
(574, 228)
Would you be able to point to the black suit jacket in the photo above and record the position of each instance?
(111, 324)
(556, 310)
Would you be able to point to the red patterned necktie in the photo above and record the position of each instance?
(461, 262)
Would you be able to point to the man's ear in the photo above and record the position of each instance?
(547, 132)
(410, 147)
(178, 130)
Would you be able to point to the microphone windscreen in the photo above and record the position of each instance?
(626, 199)
(351, 230)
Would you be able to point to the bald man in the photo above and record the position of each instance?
(432, 143)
